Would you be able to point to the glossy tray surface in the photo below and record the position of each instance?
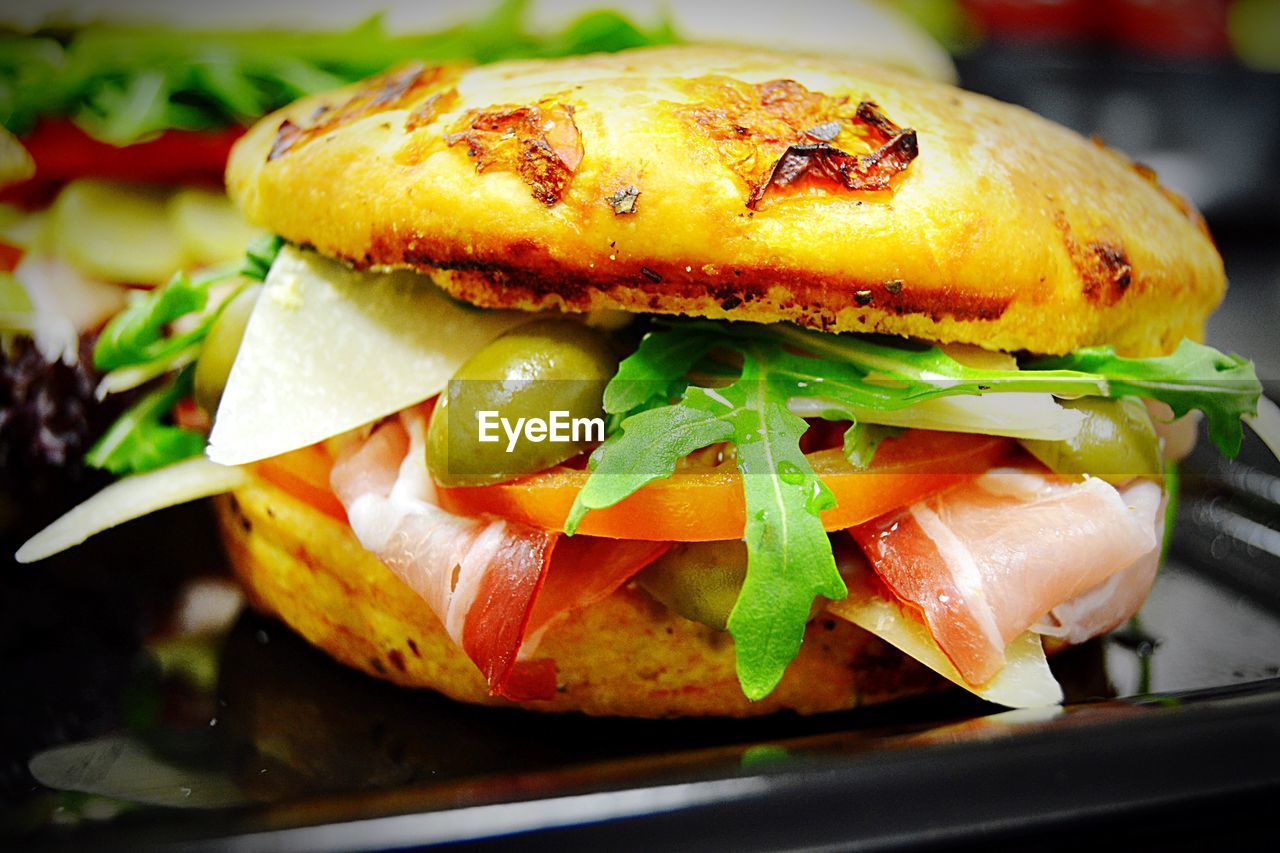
(256, 741)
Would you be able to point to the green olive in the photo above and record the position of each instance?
(544, 370)
(1116, 442)
(220, 348)
(701, 580)
(698, 580)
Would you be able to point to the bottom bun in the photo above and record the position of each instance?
(626, 656)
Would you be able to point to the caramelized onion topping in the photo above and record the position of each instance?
(539, 143)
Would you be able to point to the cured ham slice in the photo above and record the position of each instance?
(1112, 602)
(987, 560)
(482, 577)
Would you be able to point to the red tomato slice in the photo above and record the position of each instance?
(305, 475)
(10, 257)
(698, 505)
(63, 151)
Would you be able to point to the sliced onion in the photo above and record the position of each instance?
(1017, 414)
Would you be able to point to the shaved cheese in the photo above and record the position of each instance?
(1024, 682)
(329, 349)
(130, 498)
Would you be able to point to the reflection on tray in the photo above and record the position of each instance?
(287, 723)
(256, 716)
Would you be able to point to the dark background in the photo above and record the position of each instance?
(1171, 92)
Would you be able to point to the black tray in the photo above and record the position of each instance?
(287, 750)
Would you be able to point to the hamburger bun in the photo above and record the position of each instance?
(624, 656)
(640, 181)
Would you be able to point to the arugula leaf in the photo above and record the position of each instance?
(260, 255)
(1224, 387)
(655, 374)
(137, 335)
(911, 373)
(647, 448)
(140, 441)
(136, 348)
(861, 441)
(789, 558)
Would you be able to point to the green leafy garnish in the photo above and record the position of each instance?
(662, 414)
(259, 255)
(1195, 376)
(138, 345)
(141, 441)
(789, 558)
(121, 84)
(656, 372)
(861, 441)
(139, 335)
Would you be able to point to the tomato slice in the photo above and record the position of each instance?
(699, 505)
(63, 151)
(305, 475)
(10, 257)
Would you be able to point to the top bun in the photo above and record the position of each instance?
(738, 184)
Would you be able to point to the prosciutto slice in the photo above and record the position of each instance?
(1110, 603)
(986, 561)
(482, 577)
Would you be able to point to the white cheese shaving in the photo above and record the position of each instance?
(130, 498)
(329, 349)
(1024, 682)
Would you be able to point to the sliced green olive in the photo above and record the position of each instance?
(116, 231)
(701, 580)
(220, 348)
(542, 370)
(1116, 442)
(698, 580)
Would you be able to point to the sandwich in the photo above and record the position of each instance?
(685, 381)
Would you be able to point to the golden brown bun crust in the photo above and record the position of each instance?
(1007, 231)
(625, 656)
